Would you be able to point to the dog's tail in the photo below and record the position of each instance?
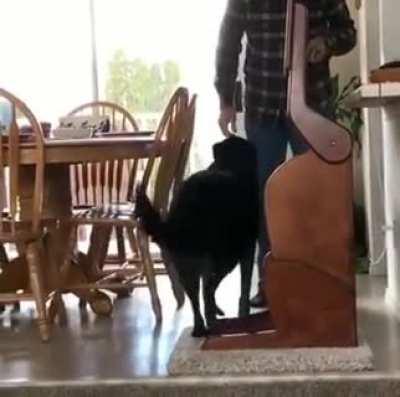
(149, 216)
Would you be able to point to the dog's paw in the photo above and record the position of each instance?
(244, 311)
(200, 332)
(211, 321)
(219, 311)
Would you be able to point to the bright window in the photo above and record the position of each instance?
(142, 46)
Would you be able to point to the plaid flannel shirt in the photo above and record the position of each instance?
(263, 22)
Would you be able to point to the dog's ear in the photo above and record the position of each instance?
(235, 154)
(217, 151)
(228, 149)
(221, 150)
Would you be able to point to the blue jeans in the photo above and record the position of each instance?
(271, 138)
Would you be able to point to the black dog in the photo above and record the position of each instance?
(211, 226)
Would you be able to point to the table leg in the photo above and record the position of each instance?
(62, 276)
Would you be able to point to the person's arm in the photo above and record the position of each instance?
(228, 50)
(341, 36)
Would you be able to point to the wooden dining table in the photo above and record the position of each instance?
(70, 151)
(57, 201)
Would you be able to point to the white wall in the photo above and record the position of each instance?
(372, 142)
(391, 142)
(348, 66)
(390, 50)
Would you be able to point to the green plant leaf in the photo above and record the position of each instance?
(353, 84)
(348, 117)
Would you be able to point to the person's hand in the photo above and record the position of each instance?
(317, 50)
(227, 120)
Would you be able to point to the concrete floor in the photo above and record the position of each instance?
(128, 346)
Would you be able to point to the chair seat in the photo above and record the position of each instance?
(22, 230)
(20, 236)
(116, 214)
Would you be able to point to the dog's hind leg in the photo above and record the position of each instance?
(217, 281)
(246, 272)
(191, 284)
(210, 283)
(219, 311)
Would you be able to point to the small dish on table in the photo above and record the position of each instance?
(71, 133)
(122, 134)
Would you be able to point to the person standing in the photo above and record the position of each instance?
(262, 22)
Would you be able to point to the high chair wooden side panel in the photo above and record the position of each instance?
(24, 229)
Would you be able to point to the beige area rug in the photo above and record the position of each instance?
(189, 359)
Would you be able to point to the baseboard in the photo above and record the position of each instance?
(332, 385)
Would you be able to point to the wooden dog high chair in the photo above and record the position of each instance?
(309, 273)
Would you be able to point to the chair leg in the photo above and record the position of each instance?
(3, 254)
(57, 309)
(69, 254)
(21, 249)
(134, 243)
(149, 272)
(120, 244)
(57, 304)
(98, 248)
(122, 292)
(176, 285)
(38, 291)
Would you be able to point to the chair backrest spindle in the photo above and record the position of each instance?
(103, 182)
(175, 134)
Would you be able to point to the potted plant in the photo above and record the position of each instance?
(350, 118)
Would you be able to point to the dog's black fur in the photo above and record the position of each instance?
(211, 226)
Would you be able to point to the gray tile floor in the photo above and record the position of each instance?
(128, 345)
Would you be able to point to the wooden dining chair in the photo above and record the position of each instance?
(162, 197)
(182, 168)
(110, 181)
(120, 118)
(21, 217)
(169, 139)
(161, 264)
